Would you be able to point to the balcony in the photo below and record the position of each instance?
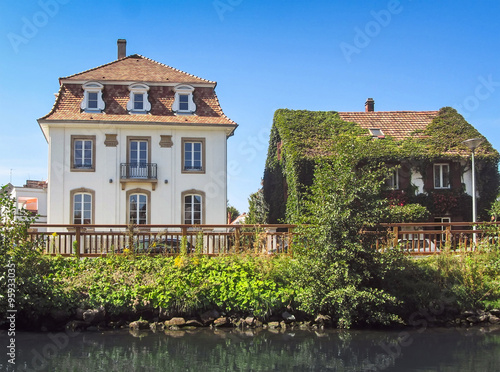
(138, 172)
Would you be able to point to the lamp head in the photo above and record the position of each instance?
(473, 143)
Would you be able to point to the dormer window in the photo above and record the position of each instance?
(138, 102)
(92, 98)
(183, 100)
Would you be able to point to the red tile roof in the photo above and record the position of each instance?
(138, 68)
(116, 95)
(397, 124)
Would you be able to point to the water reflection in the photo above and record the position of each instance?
(232, 350)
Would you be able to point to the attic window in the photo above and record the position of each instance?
(377, 133)
(138, 102)
(92, 98)
(183, 100)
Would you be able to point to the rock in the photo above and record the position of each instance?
(76, 325)
(94, 316)
(257, 323)
(483, 317)
(209, 316)
(156, 327)
(178, 322)
(473, 319)
(116, 325)
(221, 322)
(193, 323)
(493, 319)
(495, 312)
(273, 325)
(139, 324)
(249, 321)
(323, 320)
(468, 313)
(79, 313)
(287, 317)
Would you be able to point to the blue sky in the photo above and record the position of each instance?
(265, 55)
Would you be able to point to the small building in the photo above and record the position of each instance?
(135, 141)
(432, 165)
(31, 197)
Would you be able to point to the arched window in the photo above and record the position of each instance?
(138, 206)
(193, 208)
(82, 206)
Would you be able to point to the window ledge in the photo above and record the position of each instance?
(153, 182)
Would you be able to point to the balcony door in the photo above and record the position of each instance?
(138, 159)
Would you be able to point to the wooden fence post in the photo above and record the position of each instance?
(77, 237)
(395, 232)
(237, 239)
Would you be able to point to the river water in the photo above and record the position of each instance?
(422, 350)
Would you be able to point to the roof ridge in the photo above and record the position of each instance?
(135, 56)
(385, 112)
(95, 68)
(176, 69)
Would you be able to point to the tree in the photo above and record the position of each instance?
(232, 212)
(341, 270)
(258, 209)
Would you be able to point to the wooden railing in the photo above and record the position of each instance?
(433, 237)
(98, 240)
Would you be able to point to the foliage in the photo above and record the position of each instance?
(258, 209)
(232, 212)
(299, 139)
(342, 271)
(24, 256)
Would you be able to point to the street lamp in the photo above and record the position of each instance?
(472, 144)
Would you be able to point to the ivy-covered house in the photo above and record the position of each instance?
(429, 163)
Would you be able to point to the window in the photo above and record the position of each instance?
(92, 98)
(138, 102)
(82, 206)
(138, 209)
(82, 153)
(138, 206)
(193, 211)
(392, 182)
(183, 100)
(377, 133)
(441, 176)
(138, 157)
(193, 155)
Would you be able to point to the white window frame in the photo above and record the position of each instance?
(392, 182)
(85, 206)
(193, 141)
(138, 89)
(183, 90)
(137, 219)
(439, 168)
(80, 167)
(92, 87)
(189, 208)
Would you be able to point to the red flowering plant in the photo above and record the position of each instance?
(444, 201)
(396, 197)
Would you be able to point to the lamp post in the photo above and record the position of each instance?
(472, 144)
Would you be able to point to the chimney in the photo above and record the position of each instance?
(122, 48)
(369, 105)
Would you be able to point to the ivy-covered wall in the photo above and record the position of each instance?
(300, 137)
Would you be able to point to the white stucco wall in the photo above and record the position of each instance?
(110, 199)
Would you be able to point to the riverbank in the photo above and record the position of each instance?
(244, 291)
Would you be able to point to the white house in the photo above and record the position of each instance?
(136, 141)
(32, 197)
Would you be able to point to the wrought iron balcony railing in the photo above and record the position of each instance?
(138, 171)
